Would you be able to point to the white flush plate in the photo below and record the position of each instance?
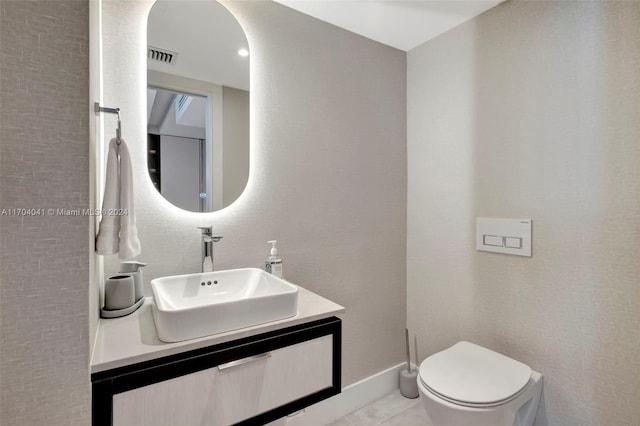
(509, 236)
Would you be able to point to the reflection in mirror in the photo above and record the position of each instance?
(197, 104)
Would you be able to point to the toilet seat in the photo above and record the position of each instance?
(470, 375)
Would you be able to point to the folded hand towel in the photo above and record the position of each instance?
(108, 239)
(118, 232)
(129, 243)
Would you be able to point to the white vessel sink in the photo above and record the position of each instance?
(197, 305)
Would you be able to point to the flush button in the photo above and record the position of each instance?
(513, 242)
(503, 235)
(492, 240)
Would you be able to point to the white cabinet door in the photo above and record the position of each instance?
(231, 392)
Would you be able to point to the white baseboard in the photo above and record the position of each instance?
(352, 398)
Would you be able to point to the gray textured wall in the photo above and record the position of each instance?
(44, 163)
(533, 110)
(327, 169)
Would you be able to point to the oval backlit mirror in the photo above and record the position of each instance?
(197, 104)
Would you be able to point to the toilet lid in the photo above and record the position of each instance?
(472, 374)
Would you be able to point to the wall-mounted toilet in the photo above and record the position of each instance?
(471, 385)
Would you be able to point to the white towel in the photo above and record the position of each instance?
(118, 232)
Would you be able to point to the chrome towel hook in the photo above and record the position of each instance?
(98, 109)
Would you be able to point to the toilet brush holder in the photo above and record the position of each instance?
(408, 376)
(409, 383)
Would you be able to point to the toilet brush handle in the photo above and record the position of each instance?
(406, 335)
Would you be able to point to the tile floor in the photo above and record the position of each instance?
(392, 410)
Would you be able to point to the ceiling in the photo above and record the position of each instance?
(403, 24)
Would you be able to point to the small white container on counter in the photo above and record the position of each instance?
(119, 292)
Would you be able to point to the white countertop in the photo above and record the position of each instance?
(132, 339)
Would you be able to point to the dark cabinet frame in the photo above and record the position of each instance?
(106, 384)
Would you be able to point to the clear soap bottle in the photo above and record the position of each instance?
(273, 264)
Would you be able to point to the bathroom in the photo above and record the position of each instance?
(369, 165)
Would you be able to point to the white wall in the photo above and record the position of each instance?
(236, 142)
(327, 169)
(532, 110)
(180, 166)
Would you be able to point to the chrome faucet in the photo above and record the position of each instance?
(206, 248)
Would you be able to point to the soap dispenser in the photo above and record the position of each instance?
(132, 267)
(273, 264)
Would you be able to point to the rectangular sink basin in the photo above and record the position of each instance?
(197, 305)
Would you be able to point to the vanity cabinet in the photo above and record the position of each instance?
(248, 381)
